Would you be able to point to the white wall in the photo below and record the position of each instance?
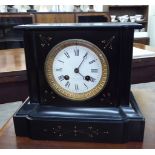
(151, 24)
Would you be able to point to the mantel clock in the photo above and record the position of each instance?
(79, 83)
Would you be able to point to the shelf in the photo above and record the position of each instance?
(127, 6)
(142, 22)
(131, 10)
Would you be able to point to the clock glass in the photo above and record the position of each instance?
(76, 69)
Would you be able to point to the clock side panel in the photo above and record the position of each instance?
(107, 40)
(126, 49)
(31, 66)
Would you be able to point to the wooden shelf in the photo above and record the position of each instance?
(126, 6)
(132, 10)
(142, 22)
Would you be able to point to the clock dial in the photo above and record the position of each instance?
(76, 69)
(76, 72)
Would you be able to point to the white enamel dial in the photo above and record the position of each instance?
(76, 69)
(82, 67)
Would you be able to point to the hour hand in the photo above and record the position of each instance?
(82, 76)
(76, 70)
(87, 78)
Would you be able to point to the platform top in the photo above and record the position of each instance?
(78, 26)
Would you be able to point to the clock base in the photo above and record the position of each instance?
(110, 124)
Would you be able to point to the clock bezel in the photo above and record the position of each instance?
(48, 70)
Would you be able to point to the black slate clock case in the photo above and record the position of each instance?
(115, 42)
(111, 116)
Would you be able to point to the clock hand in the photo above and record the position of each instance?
(87, 78)
(82, 76)
(76, 70)
(84, 57)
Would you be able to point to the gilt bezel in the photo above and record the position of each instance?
(48, 69)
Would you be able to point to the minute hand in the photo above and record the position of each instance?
(84, 57)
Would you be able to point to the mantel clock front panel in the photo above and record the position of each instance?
(78, 68)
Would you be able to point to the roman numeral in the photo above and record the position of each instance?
(76, 51)
(59, 69)
(61, 61)
(61, 78)
(67, 55)
(76, 87)
(67, 84)
(91, 61)
(92, 79)
(94, 70)
(85, 85)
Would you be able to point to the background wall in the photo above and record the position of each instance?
(151, 25)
